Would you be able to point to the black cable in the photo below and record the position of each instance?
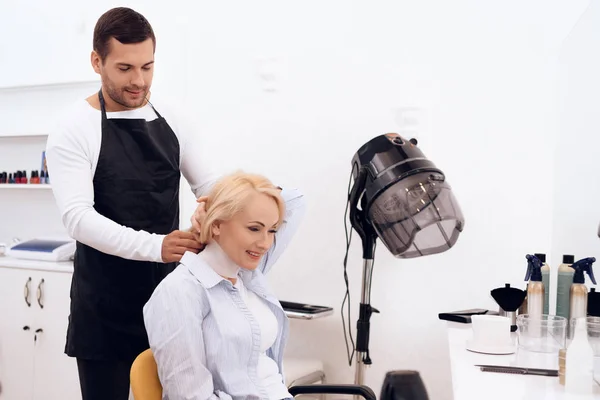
(347, 295)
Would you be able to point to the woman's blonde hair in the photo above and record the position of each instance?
(229, 195)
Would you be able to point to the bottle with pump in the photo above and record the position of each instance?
(578, 294)
(545, 281)
(579, 362)
(563, 285)
(535, 288)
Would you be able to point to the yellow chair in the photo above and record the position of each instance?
(145, 383)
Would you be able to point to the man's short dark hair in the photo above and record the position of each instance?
(125, 25)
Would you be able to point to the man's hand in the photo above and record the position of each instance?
(199, 216)
(178, 242)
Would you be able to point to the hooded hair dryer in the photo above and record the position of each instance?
(406, 202)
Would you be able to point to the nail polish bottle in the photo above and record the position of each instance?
(10, 178)
(34, 177)
(3, 177)
(47, 177)
(24, 177)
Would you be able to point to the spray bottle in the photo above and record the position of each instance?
(563, 285)
(535, 288)
(545, 281)
(578, 296)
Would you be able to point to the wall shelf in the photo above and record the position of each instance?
(25, 186)
(27, 109)
(23, 135)
(51, 86)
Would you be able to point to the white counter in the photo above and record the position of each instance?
(469, 382)
(10, 262)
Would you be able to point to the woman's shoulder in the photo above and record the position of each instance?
(180, 286)
(176, 298)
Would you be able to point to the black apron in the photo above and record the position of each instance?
(136, 184)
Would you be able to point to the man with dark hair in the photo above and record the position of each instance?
(116, 162)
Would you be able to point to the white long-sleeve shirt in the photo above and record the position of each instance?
(72, 154)
(267, 368)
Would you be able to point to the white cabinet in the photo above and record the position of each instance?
(16, 341)
(34, 311)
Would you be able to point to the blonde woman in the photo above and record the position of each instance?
(215, 328)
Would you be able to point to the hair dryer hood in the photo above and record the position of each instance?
(405, 198)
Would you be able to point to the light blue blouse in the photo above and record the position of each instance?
(203, 336)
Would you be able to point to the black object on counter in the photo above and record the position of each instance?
(464, 316)
(593, 306)
(509, 299)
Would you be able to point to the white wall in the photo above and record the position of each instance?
(483, 76)
(577, 187)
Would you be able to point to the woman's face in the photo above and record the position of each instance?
(249, 234)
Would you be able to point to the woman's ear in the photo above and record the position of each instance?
(216, 228)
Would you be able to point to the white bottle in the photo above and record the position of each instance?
(579, 363)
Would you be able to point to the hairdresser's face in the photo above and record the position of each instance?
(126, 73)
(249, 234)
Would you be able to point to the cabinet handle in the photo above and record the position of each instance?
(39, 330)
(39, 293)
(26, 328)
(26, 294)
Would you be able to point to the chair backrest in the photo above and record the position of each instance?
(145, 383)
